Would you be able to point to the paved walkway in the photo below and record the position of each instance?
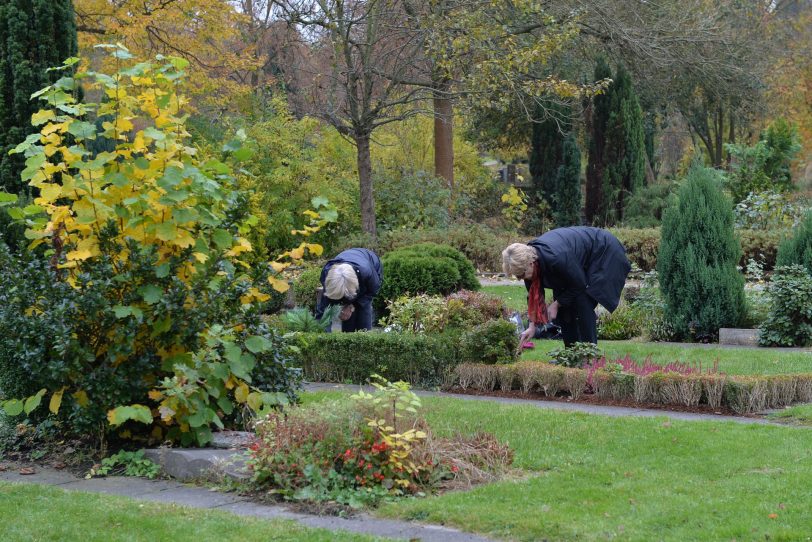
(603, 410)
(167, 491)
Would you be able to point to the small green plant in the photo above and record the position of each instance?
(420, 313)
(575, 355)
(125, 463)
(302, 320)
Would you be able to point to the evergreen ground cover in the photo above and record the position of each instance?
(590, 477)
(33, 512)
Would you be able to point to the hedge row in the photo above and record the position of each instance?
(422, 359)
(742, 394)
(483, 246)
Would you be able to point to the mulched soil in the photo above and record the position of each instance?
(592, 399)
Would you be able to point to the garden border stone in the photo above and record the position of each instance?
(738, 336)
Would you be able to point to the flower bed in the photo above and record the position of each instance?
(376, 448)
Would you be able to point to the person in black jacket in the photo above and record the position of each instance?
(351, 280)
(583, 266)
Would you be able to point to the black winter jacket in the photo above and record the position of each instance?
(579, 260)
(367, 266)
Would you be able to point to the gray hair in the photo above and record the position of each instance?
(341, 282)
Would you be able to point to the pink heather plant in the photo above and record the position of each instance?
(648, 367)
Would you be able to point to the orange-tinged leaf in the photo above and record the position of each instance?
(773, 516)
(155, 395)
(297, 253)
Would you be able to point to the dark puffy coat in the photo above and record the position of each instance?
(367, 266)
(581, 260)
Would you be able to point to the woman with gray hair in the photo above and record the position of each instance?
(583, 266)
(351, 280)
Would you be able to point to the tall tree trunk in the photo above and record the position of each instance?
(720, 122)
(731, 134)
(444, 133)
(365, 180)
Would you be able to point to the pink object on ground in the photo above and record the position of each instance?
(528, 345)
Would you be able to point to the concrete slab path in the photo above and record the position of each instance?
(168, 491)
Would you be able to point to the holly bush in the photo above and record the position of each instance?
(145, 312)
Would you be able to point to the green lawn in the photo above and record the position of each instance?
(515, 296)
(731, 360)
(796, 415)
(637, 479)
(33, 512)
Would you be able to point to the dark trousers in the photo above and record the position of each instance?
(361, 319)
(578, 321)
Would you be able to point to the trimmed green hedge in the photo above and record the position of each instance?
(425, 268)
(420, 359)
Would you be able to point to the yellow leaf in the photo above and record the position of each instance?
(42, 116)
(311, 214)
(79, 254)
(81, 398)
(279, 266)
(297, 253)
(278, 285)
(255, 400)
(155, 395)
(50, 192)
(315, 249)
(200, 257)
(56, 401)
(241, 393)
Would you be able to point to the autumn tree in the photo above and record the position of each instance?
(355, 48)
(35, 35)
(204, 32)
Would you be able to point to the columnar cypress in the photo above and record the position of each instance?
(596, 128)
(566, 198)
(546, 155)
(34, 36)
(625, 152)
(702, 288)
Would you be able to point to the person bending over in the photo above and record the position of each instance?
(583, 266)
(351, 280)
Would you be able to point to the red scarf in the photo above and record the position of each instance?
(536, 307)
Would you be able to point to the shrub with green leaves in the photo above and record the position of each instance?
(305, 286)
(702, 288)
(623, 324)
(144, 318)
(426, 268)
(494, 341)
(790, 320)
(797, 249)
